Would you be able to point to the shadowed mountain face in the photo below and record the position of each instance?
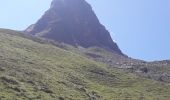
(73, 22)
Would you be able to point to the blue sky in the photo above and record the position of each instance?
(140, 27)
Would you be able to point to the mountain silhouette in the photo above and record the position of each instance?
(73, 22)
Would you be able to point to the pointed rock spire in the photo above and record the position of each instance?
(73, 22)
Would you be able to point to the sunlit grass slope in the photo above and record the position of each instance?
(34, 70)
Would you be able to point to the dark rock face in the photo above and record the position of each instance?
(73, 22)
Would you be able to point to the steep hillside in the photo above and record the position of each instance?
(157, 70)
(33, 69)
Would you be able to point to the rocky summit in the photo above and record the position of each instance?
(73, 22)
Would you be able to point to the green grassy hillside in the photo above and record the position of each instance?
(34, 70)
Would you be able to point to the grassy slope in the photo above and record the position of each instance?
(40, 71)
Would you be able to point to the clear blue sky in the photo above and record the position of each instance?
(140, 27)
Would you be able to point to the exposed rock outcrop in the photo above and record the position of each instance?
(73, 22)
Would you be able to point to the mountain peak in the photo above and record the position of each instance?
(55, 3)
(73, 22)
